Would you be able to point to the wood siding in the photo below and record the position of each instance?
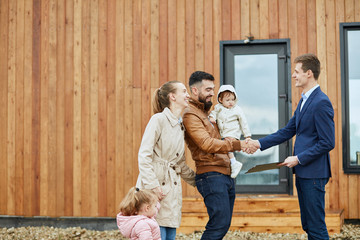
(77, 77)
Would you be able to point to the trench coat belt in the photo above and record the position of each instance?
(172, 169)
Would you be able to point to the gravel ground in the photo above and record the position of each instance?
(349, 231)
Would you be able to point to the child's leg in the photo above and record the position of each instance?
(235, 165)
(231, 156)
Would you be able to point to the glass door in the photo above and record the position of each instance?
(260, 73)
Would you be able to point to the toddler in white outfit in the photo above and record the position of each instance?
(231, 121)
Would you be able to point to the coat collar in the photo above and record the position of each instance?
(170, 116)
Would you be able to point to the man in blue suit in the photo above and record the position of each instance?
(313, 125)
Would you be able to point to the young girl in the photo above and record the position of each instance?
(162, 155)
(136, 219)
(230, 120)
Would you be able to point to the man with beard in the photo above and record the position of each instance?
(209, 152)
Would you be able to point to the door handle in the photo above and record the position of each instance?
(283, 96)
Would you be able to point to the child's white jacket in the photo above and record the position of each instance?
(231, 122)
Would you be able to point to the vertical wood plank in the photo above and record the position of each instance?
(36, 91)
(226, 20)
(172, 39)
(102, 108)
(264, 19)
(208, 34)
(199, 35)
(120, 109)
(353, 183)
(245, 18)
(343, 178)
(11, 165)
(136, 134)
(190, 36)
(273, 19)
(77, 171)
(129, 159)
(60, 113)
(332, 81)
(69, 108)
(111, 111)
(145, 62)
(180, 43)
(52, 108)
(94, 113)
(44, 110)
(217, 38)
(311, 26)
(137, 43)
(283, 19)
(321, 42)
(155, 46)
(163, 41)
(254, 18)
(85, 109)
(28, 171)
(19, 108)
(292, 34)
(302, 27)
(349, 11)
(235, 19)
(4, 23)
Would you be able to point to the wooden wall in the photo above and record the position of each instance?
(77, 76)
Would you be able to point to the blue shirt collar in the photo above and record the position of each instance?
(308, 93)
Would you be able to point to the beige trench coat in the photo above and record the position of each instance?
(162, 162)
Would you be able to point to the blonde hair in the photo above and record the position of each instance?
(135, 199)
(161, 98)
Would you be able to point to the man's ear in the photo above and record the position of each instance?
(194, 90)
(309, 73)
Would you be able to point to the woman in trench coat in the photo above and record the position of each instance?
(162, 155)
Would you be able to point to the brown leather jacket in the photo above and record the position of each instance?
(203, 139)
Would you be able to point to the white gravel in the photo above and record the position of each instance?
(348, 231)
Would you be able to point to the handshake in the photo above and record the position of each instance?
(249, 145)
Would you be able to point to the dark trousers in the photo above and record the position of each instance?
(311, 195)
(218, 191)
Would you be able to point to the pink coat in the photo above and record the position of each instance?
(138, 227)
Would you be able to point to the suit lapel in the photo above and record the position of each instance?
(306, 105)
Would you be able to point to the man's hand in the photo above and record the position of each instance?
(212, 120)
(250, 145)
(290, 162)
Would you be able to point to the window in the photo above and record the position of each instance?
(350, 89)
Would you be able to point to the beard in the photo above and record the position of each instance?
(207, 105)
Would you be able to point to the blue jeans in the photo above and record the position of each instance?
(167, 233)
(218, 191)
(311, 195)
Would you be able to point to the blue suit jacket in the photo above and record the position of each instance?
(315, 136)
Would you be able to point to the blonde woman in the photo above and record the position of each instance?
(162, 155)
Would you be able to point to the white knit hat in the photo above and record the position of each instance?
(224, 88)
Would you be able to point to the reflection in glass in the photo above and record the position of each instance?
(354, 96)
(256, 83)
